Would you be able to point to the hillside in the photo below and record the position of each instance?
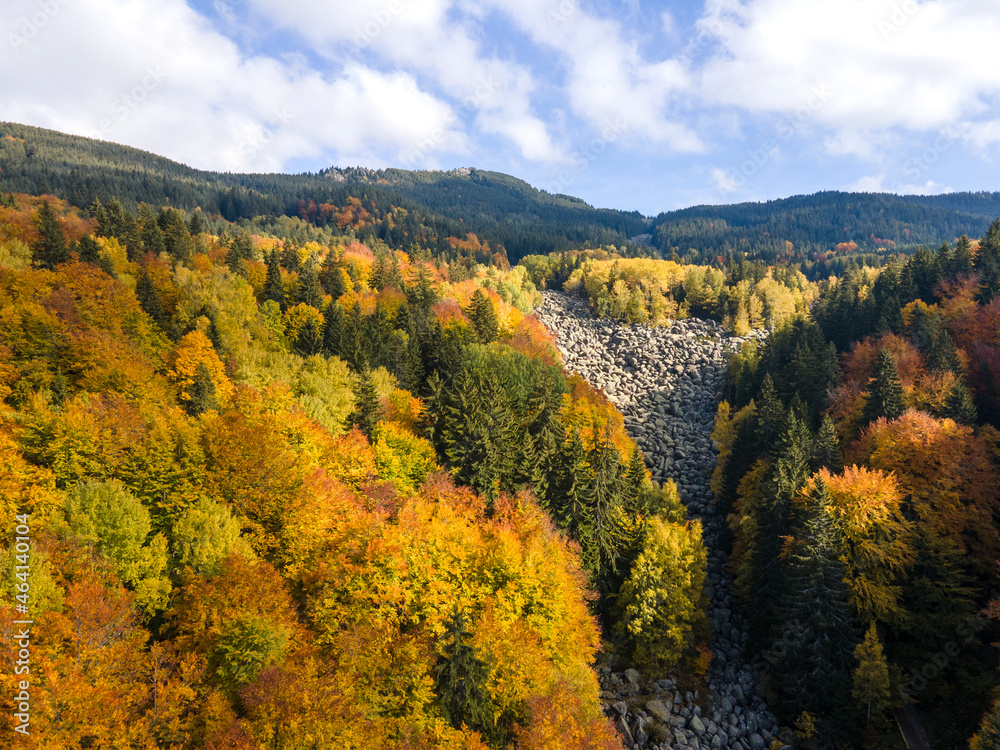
(876, 222)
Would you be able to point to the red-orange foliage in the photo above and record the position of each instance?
(951, 482)
(532, 338)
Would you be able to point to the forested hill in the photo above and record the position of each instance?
(818, 223)
(525, 220)
(501, 210)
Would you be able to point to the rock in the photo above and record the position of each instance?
(757, 742)
(658, 709)
(633, 676)
(696, 725)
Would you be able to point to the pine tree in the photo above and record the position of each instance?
(958, 405)
(367, 409)
(240, 251)
(274, 289)
(149, 299)
(310, 290)
(826, 451)
(196, 224)
(885, 392)
(461, 687)
(88, 249)
(962, 258)
(50, 249)
(988, 264)
(203, 395)
(101, 216)
(871, 677)
(483, 315)
(988, 736)
(332, 275)
(176, 236)
(149, 231)
(290, 256)
(333, 330)
(812, 676)
(771, 414)
(310, 339)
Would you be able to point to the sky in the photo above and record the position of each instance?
(628, 104)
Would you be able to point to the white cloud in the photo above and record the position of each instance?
(886, 63)
(154, 74)
(877, 184)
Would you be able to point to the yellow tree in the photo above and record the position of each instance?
(196, 368)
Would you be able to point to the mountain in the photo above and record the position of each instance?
(819, 222)
(501, 210)
(497, 208)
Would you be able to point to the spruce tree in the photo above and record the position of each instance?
(461, 686)
(483, 315)
(310, 290)
(274, 289)
(367, 409)
(332, 275)
(958, 405)
(333, 330)
(290, 256)
(149, 299)
(310, 339)
(88, 249)
(826, 451)
(988, 264)
(885, 392)
(149, 231)
(962, 257)
(813, 675)
(196, 224)
(203, 395)
(50, 249)
(240, 251)
(176, 236)
(988, 736)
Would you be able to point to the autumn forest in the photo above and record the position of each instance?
(300, 466)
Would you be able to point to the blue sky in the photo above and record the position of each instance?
(637, 105)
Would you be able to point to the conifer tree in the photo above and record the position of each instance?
(813, 675)
(176, 236)
(333, 330)
(827, 453)
(50, 249)
(959, 406)
(274, 289)
(149, 231)
(203, 395)
(771, 414)
(460, 685)
(290, 256)
(988, 264)
(149, 299)
(310, 339)
(483, 315)
(885, 392)
(101, 216)
(310, 290)
(871, 678)
(962, 257)
(88, 249)
(367, 409)
(240, 251)
(332, 276)
(196, 224)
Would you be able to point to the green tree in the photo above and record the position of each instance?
(988, 736)
(813, 673)
(871, 677)
(310, 290)
(333, 330)
(460, 684)
(149, 299)
(988, 264)
(826, 452)
(88, 249)
(240, 251)
(114, 520)
(50, 249)
(885, 392)
(245, 646)
(958, 405)
(274, 288)
(367, 408)
(660, 602)
(204, 535)
(203, 392)
(483, 315)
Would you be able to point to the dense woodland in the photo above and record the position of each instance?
(301, 465)
(281, 493)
